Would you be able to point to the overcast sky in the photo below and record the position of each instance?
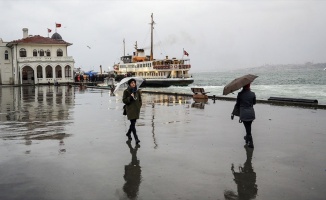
(218, 35)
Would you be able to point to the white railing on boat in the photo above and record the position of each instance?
(171, 67)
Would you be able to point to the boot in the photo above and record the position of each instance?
(246, 139)
(129, 135)
(251, 142)
(136, 137)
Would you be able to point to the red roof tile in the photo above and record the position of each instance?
(37, 39)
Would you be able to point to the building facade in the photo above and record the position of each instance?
(35, 60)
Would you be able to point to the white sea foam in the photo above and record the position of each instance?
(303, 84)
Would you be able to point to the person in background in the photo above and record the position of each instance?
(132, 99)
(246, 99)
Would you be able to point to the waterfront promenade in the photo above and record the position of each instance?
(67, 143)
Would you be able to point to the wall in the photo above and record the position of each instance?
(6, 76)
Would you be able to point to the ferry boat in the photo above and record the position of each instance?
(155, 72)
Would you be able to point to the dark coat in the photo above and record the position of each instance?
(132, 106)
(246, 99)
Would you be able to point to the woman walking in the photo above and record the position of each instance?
(245, 100)
(133, 102)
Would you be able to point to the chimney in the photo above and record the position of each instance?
(25, 33)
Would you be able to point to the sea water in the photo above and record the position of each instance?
(291, 81)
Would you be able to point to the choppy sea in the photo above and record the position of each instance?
(293, 81)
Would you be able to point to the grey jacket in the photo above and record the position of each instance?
(132, 106)
(246, 99)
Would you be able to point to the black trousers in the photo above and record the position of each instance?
(247, 125)
(132, 128)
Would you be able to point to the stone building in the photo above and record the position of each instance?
(35, 60)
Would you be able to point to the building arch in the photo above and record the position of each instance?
(39, 71)
(27, 75)
(68, 72)
(48, 71)
(58, 71)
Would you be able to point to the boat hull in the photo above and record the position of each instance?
(167, 82)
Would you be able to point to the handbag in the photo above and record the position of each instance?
(124, 110)
(236, 110)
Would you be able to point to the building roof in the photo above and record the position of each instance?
(56, 36)
(37, 39)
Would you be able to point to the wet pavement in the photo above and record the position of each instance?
(70, 143)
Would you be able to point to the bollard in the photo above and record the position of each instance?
(213, 98)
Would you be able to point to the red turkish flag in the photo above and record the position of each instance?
(57, 25)
(49, 30)
(185, 53)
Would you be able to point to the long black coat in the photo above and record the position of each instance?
(132, 106)
(246, 99)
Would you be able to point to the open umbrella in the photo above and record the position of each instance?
(124, 83)
(238, 83)
(90, 73)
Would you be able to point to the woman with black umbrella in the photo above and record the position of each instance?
(132, 100)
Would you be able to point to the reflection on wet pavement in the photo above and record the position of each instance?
(69, 143)
(199, 105)
(35, 113)
(132, 174)
(245, 179)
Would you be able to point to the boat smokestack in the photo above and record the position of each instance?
(25, 33)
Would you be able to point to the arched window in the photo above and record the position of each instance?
(6, 55)
(39, 72)
(22, 52)
(59, 52)
(48, 52)
(58, 73)
(24, 74)
(68, 71)
(34, 52)
(48, 71)
(41, 52)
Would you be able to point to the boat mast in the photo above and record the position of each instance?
(152, 28)
(124, 47)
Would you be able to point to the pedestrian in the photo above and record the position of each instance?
(132, 100)
(245, 100)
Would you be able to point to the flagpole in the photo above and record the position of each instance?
(183, 52)
(124, 47)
